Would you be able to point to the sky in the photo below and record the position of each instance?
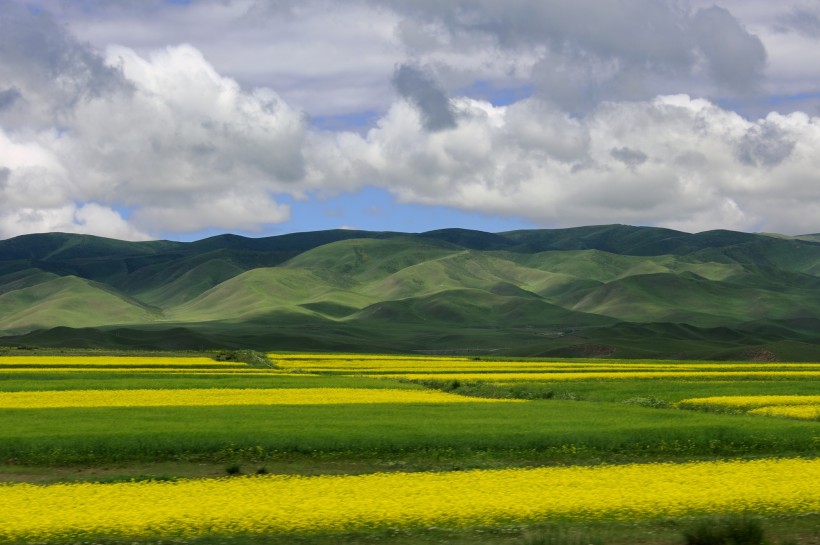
(146, 119)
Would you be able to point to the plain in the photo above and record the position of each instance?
(590, 422)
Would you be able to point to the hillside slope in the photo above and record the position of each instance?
(587, 291)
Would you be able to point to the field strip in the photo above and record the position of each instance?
(401, 365)
(620, 375)
(277, 504)
(387, 370)
(802, 407)
(221, 397)
(359, 357)
(245, 370)
(749, 402)
(801, 412)
(115, 361)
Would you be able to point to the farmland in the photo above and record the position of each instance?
(401, 449)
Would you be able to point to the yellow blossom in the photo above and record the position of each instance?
(282, 504)
(217, 396)
(114, 361)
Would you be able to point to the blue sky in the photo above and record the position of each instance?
(374, 209)
(182, 119)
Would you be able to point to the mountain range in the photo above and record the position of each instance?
(610, 290)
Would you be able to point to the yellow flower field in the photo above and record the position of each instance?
(409, 364)
(509, 367)
(478, 370)
(803, 407)
(749, 402)
(114, 361)
(802, 412)
(460, 365)
(606, 375)
(216, 397)
(350, 357)
(233, 371)
(463, 368)
(270, 504)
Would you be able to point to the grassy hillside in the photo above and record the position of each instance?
(257, 292)
(69, 300)
(587, 291)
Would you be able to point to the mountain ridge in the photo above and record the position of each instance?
(714, 294)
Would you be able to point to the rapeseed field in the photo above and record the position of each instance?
(802, 412)
(609, 375)
(623, 420)
(750, 402)
(804, 407)
(226, 397)
(114, 362)
(285, 504)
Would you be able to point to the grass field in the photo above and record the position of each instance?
(415, 449)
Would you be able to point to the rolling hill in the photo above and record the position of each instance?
(587, 291)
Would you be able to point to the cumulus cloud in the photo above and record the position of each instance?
(736, 57)
(765, 145)
(37, 194)
(148, 139)
(8, 97)
(334, 59)
(628, 156)
(189, 149)
(179, 145)
(598, 27)
(419, 87)
(45, 70)
(588, 51)
(673, 161)
(185, 128)
(328, 58)
(90, 218)
(340, 57)
(803, 20)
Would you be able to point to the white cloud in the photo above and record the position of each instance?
(89, 218)
(414, 85)
(735, 57)
(187, 147)
(673, 161)
(226, 210)
(45, 72)
(37, 194)
(182, 146)
(327, 58)
(209, 134)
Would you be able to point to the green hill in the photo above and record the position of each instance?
(586, 291)
(68, 300)
(260, 292)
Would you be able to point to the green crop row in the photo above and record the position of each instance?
(551, 429)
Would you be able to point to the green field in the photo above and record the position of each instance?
(579, 423)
